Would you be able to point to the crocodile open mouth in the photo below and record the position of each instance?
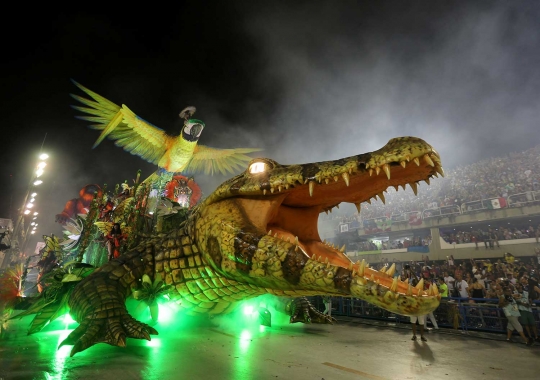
(289, 210)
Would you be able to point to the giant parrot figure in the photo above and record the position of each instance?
(139, 137)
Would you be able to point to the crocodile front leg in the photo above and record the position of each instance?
(98, 304)
(301, 310)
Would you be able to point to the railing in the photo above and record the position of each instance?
(416, 217)
(483, 315)
(441, 211)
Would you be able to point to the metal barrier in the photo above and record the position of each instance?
(521, 199)
(383, 223)
(483, 315)
(441, 211)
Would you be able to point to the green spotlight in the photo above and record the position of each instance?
(265, 317)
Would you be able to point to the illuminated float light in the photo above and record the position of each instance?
(26, 212)
(32, 232)
(67, 319)
(248, 310)
(38, 182)
(39, 172)
(29, 205)
(33, 223)
(33, 194)
(42, 165)
(43, 156)
(35, 213)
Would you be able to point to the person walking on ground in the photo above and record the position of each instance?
(327, 305)
(421, 320)
(510, 307)
(527, 317)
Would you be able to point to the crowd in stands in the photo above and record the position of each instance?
(502, 177)
(491, 275)
(490, 237)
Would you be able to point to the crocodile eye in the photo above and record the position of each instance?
(258, 167)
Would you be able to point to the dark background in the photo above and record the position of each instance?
(304, 80)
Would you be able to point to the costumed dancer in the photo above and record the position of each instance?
(114, 240)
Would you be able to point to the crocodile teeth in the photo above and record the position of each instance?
(342, 249)
(346, 178)
(383, 270)
(440, 170)
(414, 187)
(296, 240)
(389, 295)
(409, 290)
(276, 235)
(377, 170)
(426, 181)
(435, 290)
(368, 200)
(420, 284)
(395, 187)
(279, 188)
(311, 187)
(326, 212)
(402, 186)
(272, 190)
(350, 267)
(357, 207)
(370, 172)
(416, 161)
(386, 169)
(394, 285)
(403, 164)
(270, 232)
(428, 160)
(362, 267)
(392, 270)
(327, 180)
(264, 192)
(381, 195)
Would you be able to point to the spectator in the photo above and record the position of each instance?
(443, 288)
(509, 305)
(526, 319)
(461, 287)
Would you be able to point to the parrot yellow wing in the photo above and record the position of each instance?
(129, 131)
(104, 227)
(212, 160)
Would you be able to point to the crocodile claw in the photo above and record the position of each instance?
(112, 330)
(303, 311)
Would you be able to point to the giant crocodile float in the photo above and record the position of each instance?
(257, 234)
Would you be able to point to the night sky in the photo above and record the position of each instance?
(304, 80)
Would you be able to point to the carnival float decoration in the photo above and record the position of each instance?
(255, 235)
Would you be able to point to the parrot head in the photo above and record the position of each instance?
(192, 130)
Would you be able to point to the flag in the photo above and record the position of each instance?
(497, 203)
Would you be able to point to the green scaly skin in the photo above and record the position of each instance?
(257, 234)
